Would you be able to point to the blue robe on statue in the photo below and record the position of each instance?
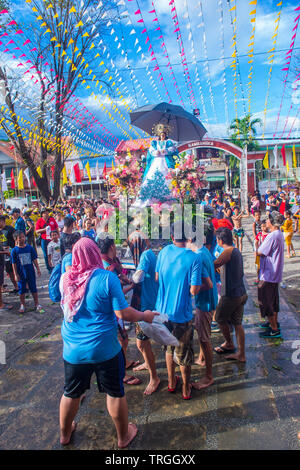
(161, 157)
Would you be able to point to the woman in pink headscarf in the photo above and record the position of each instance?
(91, 299)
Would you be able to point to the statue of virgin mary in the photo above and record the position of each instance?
(161, 157)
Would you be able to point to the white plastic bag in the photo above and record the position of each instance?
(158, 331)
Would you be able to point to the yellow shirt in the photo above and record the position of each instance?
(287, 226)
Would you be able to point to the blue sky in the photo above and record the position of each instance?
(142, 86)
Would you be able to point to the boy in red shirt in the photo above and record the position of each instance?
(44, 226)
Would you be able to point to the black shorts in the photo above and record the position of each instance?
(268, 298)
(110, 375)
(1, 274)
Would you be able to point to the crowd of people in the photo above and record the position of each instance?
(198, 287)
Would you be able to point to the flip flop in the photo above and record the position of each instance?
(6, 308)
(133, 364)
(172, 390)
(132, 380)
(224, 350)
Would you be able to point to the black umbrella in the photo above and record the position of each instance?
(184, 126)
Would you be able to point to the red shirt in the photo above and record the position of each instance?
(41, 223)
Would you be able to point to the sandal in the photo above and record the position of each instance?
(172, 390)
(133, 364)
(132, 380)
(223, 350)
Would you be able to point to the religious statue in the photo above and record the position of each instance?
(161, 156)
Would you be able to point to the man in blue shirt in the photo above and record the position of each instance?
(145, 274)
(206, 302)
(20, 223)
(178, 272)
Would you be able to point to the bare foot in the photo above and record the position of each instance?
(200, 362)
(141, 367)
(187, 391)
(203, 383)
(235, 357)
(131, 433)
(66, 440)
(152, 386)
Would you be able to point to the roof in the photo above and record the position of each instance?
(133, 145)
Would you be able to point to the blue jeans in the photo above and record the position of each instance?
(44, 246)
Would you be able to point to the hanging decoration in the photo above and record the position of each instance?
(222, 44)
(182, 54)
(287, 69)
(206, 63)
(270, 61)
(153, 59)
(193, 52)
(166, 54)
(252, 14)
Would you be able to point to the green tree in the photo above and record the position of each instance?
(244, 131)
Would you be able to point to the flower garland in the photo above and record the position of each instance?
(187, 178)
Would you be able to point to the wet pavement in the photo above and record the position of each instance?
(250, 406)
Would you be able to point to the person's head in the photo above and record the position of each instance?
(107, 247)
(88, 224)
(19, 238)
(89, 211)
(264, 225)
(86, 256)
(68, 223)
(54, 235)
(279, 189)
(287, 214)
(70, 240)
(2, 221)
(257, 215)
(224, 237)
(236, 210)
(45, 214)
(16, 213)
(178, 234)
(274, 220)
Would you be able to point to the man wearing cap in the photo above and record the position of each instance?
(19, 222)
(44, 226)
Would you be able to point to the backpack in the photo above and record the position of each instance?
(54, 292)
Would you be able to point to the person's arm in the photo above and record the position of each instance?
(128, 288)
(50, 261)
(16, 275)
(206, 284)
(223, 258)
(39, 230)
(133, 315)
(35, 262)
(196, 276)
(253, 230)
(138, 276)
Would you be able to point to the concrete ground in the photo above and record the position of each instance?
(250, 406)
